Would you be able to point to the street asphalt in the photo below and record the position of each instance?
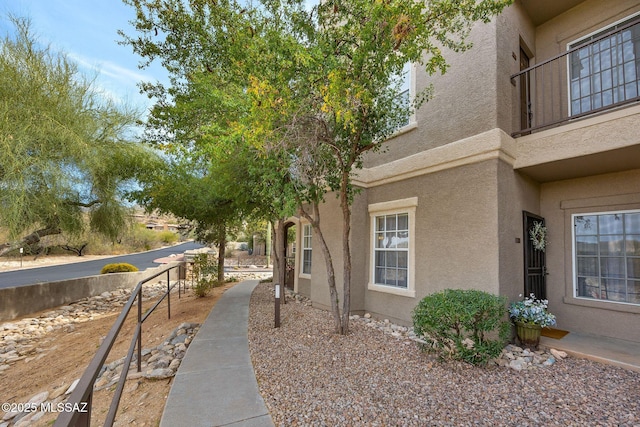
(142, 260)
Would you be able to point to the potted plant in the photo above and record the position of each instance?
(530, 316)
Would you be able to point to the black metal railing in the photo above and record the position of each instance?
(81, 398)
(596, 76)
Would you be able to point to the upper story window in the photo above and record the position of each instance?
(404, 83)
(606, 71)
(607, 256)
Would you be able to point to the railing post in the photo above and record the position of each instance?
(169, 294)
(84, 419)
(140, 326)
(179, 279)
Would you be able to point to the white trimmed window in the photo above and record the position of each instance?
(607, 256)
(392, 246)
(405, 83)
(307, 232)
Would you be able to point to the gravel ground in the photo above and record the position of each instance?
(309, 376)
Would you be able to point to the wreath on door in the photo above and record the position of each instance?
(538, 236)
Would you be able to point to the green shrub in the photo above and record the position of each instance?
(167, 237)
(121, 267)
(467, 325)
(204, 266)
(202, 287)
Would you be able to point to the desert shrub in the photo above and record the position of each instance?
(202, 287)
(121, 267)
(167, 237)
(467, 325)
(204, 267)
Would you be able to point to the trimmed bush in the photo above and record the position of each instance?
(467, 325)
(121, 267)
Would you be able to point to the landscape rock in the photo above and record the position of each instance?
(558, 354)
(512, 356)
(15, 336)
(159, 374)
(22, 340)
(38, 398)
(72, 386)
(160, 362)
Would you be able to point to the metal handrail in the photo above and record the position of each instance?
(550, 95)
(81, 398)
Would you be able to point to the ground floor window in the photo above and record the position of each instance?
(607, 256)
(392, 248)
(306, 248)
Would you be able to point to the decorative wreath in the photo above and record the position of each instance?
(538, 235)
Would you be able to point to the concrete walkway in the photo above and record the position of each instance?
(215, 384)
(611, 351)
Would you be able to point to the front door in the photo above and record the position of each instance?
(525, 93)
(535, 268)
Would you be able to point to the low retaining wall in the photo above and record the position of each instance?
(24, 300)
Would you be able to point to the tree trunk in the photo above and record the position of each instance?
(30, 239)
(346, 253)
(331, 277)
(279, 245)
(222, 243)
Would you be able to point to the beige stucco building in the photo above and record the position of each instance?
(538, 123)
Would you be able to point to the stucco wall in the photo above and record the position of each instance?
(515, 30)
(463, 103)
(456, 234)
(516, 193)
(331, 223)
(553, 36)
(25, 300)
(559, 200)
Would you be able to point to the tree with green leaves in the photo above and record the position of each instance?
(195, 191)
(202, 117)
(316, 89)
(360, 49)
(66, 152)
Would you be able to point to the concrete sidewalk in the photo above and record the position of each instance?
(611, 351)
(215, 384)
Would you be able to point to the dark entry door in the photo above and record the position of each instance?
(289, 277)
(535, 268)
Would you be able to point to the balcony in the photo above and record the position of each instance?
(595, 75)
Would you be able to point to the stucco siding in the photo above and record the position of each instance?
(516, 193)
(456, 234)
(463, 102)
(553, 36)
(559, 201)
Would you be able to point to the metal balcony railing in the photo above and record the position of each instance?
(593, 76)
(80, 401)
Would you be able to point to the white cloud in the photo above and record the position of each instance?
(110, 69)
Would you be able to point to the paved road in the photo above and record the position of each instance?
(53, 273)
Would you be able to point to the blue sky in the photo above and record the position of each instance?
(86, 30)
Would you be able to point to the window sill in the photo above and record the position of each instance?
(603, 305)
(410, 293)
(405, 129)
(304, 276)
